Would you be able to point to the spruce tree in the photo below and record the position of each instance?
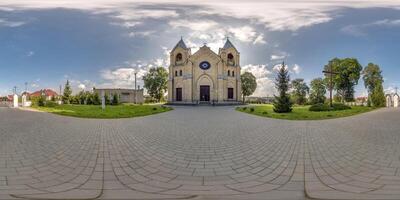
(282, 103)
(67, 93)
(378, 96)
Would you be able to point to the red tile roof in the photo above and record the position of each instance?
(45, 92)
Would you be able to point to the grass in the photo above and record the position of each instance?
(302, 112)
(94, 111)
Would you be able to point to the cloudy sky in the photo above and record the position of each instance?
(103, 42)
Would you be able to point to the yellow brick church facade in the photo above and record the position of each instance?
(205, 76)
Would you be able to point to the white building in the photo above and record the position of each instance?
(392, 100)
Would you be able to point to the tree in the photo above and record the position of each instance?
(66, 98)
(96, 99)
(249, 84)
(282, 103)
(378, 96)
(300, 91)
(372, 76)
(115, 100)
(348, 73)
(155, 81)
(318, 91)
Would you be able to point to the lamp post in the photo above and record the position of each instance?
(135, 91)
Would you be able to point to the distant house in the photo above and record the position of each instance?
(125, 95)
(47, 93)
(361, 101)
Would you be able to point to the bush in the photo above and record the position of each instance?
(265, 112)
(50, 104)
(340, 106)
(325, 107)
(41, 101)
(154, 108)
(251, 109)
(244, 108)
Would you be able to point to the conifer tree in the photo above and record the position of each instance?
(66, 98)
(282, 103)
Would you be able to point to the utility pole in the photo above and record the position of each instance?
(26, 87)
(135, 88)
(15, 90)
(330, 72)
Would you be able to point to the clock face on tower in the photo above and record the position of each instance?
(204, 65)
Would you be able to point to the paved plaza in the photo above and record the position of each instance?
(199, 153)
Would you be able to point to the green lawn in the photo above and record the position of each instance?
(94, 111)
(302, 112)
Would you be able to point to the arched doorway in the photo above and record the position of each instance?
(205, 89)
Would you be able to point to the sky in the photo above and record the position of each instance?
(102, 43)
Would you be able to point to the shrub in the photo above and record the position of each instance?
(265, 112)
(154, 108)
(50, 104)
(41, 101)
(244, 108)
(325, 107)
(115, 100)
(340, 106)
(320, 107)
(251, 109)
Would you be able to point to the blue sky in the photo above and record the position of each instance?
(102, 43)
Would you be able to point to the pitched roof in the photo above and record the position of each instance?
(181, 44)
(228, 44)
(46, 92)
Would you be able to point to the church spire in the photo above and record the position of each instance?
(181, 44)
(228, 44)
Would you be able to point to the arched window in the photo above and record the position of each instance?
(231, 61)
(233, 73)
(229, 73)
(176, 73)
(179, 57)
(180, 72)
(230, 57)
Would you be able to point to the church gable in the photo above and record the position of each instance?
(205, 52)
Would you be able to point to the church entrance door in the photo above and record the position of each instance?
(178, 94)
(204, 93)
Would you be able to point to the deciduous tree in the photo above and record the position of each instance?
(155, 81)
(299, 91)
(249, 84)
(318, 91)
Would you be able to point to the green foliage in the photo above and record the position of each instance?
(107, 99)
(67, 93)
(41, 101)
(155, 81)
(115, 100)
(50, 104)
(373, 80)
(303, 113)
(282, 103)
(318, 91)
(249, 84)
(349, 70)
(378, 96)
(326, 107)
(96, 99)
(300, 91)
(320, 107)
(251, 109)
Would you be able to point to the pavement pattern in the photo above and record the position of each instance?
(199, 153)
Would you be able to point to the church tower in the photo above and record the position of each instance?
(231, 65)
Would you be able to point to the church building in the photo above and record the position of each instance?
(204, 76)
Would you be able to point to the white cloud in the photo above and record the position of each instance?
(296, 68)
(279, 56)
(82, 86)
(7, 23)
(360, 29)
(195, 25)
(259, 39)
(34, 85)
